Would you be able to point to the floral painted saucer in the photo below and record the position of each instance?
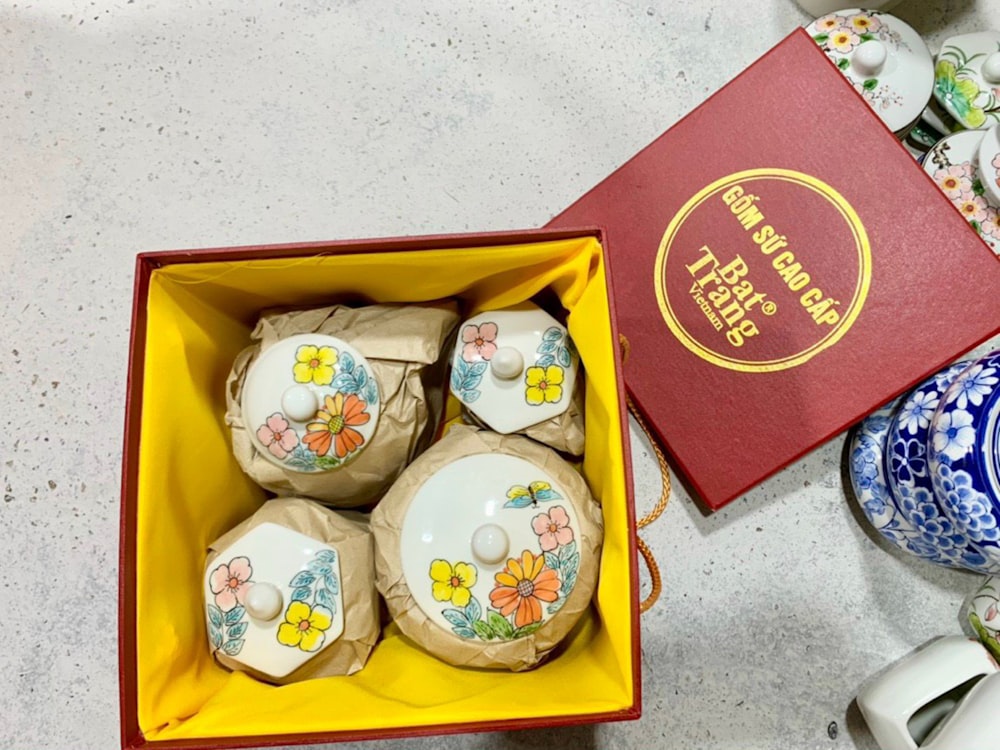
(514, 368)
(273, 600)
(910, 481)
(883, 58)
(311, 403)
(967, 78)
(487, 549)
(964, 456)
(953, 165)
(870, 482)
(989, 165)
(984, 614)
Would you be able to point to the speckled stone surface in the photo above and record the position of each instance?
(136, 125)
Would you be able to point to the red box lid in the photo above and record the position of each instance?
(783, 267)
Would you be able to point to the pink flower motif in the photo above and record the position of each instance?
(480, 342)
(552, 528)
(843, 41)
(991, 223)
(230, 582)
(972, 207)
(954, 181)
(276, 436)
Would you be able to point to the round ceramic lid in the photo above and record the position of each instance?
(967, 78)
(488, 547)
(514, 368)
(952, 163)
(311, 403)
(989, 165)
(273, 599)
(883, 58)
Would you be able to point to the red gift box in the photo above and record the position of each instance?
(787, 268)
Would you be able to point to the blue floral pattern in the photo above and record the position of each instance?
(972, 385)
(970, 509)
(953, 434)
(916, 412)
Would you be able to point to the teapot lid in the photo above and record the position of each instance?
(488, 547)
(883, 58)
(273, 599)
(953, 165)
(967, 78)
(515, 367)
(311, 403)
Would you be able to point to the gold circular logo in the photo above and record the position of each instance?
(762, 270)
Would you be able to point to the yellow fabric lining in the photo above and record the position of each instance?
(191, 490)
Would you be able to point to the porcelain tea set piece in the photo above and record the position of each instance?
(513, 368)
(885, 60)
(273, 600)
(967, 78)
(487, 549)
(943, 697)
(892, 479)
(963, 457)
(984, 614)
(989, 165)
(311, 403)
(955, 165)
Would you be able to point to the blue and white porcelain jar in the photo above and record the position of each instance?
(964, 457)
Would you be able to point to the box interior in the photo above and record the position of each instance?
(190, 490)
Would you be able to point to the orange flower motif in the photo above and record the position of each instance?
(334, 426)
(522, 586)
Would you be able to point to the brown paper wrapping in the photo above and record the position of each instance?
(403, 344)
(387, 522)
(350, 535)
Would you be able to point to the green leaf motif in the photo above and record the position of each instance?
(821, 38)
(977, 187)
(500, 626)
(473, 611)
(870, 84)
(302, 578)
(483, 630)
(552, 560)
(552, 334)
(327, 556)
(323, 463)
(843, 63)
(301, 594)
(464, 632)
(237, 630)
(233, 647)
(234, 615)
(456, 617)
(330, 581)
(527, 630)
(326, 599)
(346, 363)
(545, 360)
(564, 357)
(567, 550)
(215, 616)
(216, 638)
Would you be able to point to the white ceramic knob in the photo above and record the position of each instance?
(507, 363)
(300, 403)
(263, 601)
(870, 57)
(490, 544)
(991, 68)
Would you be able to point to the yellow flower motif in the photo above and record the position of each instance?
(544, 384)
(314, 364)
(452, 584)
(304, 626)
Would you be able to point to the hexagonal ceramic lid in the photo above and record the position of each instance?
(273, 599)
(953, 164)
(967, 78)
(488, 547)
(514, 368)
(883, 58)
(311, 403)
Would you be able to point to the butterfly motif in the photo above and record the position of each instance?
(519, 496)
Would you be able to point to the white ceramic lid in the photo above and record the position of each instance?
(311, 403)
(488, 547)
(989, 165)
(953, 165)
(273, 599)
(967, 78)
(514, 368)
(884, 59)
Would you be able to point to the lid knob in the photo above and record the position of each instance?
(263, 601)
(490, 544)
(870, 57)
(991, 68)
(507, 363)
(300, 403)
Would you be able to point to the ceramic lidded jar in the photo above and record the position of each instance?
(289, 594)
(885, 60)
(516, 370)
(963, 456)
(967, 78)
(487, 549)
(313, 403)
